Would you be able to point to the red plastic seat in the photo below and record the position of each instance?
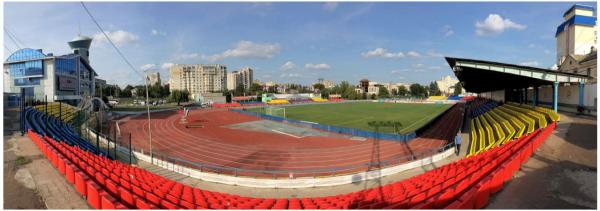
(108, 202)
(152, 198)
(126, 197)
(81, 183)
(93, 194)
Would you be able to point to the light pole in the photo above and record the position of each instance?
(148, 110)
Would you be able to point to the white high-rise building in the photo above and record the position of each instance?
(198, 78)
(153, 78)
(446, 85)
(244, 76)
(232, 80)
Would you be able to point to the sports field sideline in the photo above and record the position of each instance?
(357, 115)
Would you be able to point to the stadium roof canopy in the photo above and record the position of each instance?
(483, 76)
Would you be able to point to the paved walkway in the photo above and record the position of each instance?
(39, 176)
(561, 174)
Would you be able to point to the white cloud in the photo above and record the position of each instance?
(530, 63)
(531, 45)
(156, 32)
(419, 65)
(119, 37)
(554, 67)
(395, 72)
(147, 67)
(330, 6)
(166, 65)
(290, 75)
(288, 66)
(381, 52)
(413, 54)
(448, 31)
(321, 66)
(547, 51)
(494, 24)
(248, 50)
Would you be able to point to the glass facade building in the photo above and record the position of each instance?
(67, 78)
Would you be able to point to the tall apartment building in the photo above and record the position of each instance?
(198, 78)
(446, 85)
(232, 80)
(243, 76)
(153, 78)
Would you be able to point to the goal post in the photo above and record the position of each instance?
(275, 111)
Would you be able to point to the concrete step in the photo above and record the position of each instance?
(161, 171)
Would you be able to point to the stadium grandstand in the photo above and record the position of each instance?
(110, 184)
(503, 135)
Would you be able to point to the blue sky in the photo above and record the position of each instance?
(295, 42)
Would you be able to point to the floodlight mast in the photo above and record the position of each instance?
(146, 79)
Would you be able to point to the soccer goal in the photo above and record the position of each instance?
(275, 111)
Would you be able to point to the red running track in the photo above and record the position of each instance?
(261, 154)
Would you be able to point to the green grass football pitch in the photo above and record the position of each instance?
(357, 115)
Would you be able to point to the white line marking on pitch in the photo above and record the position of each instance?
(284, 133)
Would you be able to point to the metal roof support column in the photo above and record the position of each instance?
(555, 98)
(520, 91)
(525, 94)
(535, 96)
(581, 93)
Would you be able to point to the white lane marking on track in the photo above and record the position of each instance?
(284, 133)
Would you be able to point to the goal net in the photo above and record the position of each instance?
(275, 111)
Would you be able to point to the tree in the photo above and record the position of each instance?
(373, 96)
(394, 92)
(228, 97)
(457, 89)
(345, 89)
(383, 92)
(254, 88)
(402, 91)
(179, 96)
(325, 93)
(127, 91)
(164, 91)
(239, 90)
(350, 94)
(434, 89)
(319, 86)
(416, 90)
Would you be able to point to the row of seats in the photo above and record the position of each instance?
(467, 183)
(553, 115)
(434, 98)
(318, 99)
(278, 102)
(250, 103)
(501, 124)
(226, 105)
(482, 108)
(42, 123)
(62, 111)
